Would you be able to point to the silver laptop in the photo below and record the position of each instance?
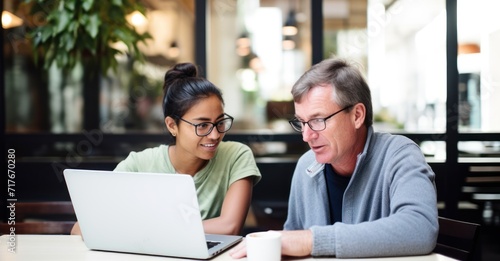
(142, 213)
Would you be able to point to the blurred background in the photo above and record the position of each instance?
(255, 51)
(433, 67)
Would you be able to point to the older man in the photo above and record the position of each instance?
(356, 192)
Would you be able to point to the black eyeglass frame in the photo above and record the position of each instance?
(228, 117)
(303, 123)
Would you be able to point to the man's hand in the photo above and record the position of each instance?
(293, 243)
(296, 242)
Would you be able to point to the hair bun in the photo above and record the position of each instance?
(181, 71)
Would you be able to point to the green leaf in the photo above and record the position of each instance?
(93, 24)
(87, 4)
(63, 20)
(44, 34)
(117, 2)
(73, 28)
(68, 42)
(70, 5)
(62, 60)
(126, 36)
(52, 19)
(61, 6)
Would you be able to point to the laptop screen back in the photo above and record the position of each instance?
(146, 213)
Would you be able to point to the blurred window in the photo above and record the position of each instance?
(256, 51)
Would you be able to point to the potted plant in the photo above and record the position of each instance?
(77, 38)
(75, 31)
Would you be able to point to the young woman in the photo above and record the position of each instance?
(224, 172)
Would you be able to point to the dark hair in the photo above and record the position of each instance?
(347, 81)
(183, 88)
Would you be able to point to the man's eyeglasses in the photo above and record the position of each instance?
(317, 124)
(204, 128)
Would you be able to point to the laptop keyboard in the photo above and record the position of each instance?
(211, 244)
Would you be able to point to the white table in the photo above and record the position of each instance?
(60, 247)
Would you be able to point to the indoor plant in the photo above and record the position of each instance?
(76, 39)
(74, 31)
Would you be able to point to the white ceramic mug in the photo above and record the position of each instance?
(263, 246)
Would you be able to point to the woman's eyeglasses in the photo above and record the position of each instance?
(205, 128)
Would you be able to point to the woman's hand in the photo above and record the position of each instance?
(76, 229)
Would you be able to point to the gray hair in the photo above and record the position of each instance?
(349, 85)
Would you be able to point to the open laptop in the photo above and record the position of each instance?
(142, 213)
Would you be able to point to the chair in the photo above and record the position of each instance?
(47, 217)
(458, 239)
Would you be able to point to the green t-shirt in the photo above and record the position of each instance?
(232, 161)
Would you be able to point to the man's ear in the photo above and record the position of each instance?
(359, 115)
(171, 125)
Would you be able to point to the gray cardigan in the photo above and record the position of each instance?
(392, 187)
